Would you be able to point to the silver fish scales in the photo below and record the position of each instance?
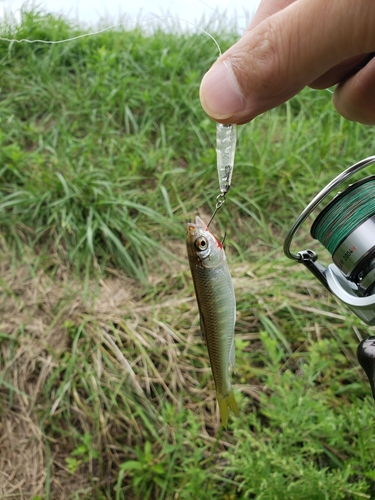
(217, 307)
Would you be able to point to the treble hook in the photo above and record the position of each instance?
(219, 203)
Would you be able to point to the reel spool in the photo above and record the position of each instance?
(346, 228)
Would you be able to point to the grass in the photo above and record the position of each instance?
(105, 386)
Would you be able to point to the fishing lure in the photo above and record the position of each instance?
(217, 308)
(225, 150)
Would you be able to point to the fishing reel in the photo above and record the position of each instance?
(346, 228)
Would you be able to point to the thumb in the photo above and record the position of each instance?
(282, 54)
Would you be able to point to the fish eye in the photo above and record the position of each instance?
(201, 243)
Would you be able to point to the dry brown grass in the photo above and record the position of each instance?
(102, 357)
(34, 339)
(126, 347)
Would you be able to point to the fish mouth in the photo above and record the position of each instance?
(199, 224)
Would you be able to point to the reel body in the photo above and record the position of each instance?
(346, 228)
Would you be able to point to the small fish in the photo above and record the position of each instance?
(217, 308)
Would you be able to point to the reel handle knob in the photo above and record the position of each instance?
(366, 358)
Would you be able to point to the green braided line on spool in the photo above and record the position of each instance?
(345, 215)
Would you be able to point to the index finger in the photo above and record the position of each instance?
(266, 9)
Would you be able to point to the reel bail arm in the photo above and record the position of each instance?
(309, 259)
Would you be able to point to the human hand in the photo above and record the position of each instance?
(291, 44)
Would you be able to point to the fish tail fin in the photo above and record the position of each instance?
(226, 403)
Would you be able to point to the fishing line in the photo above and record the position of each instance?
(224, 132)
(344, 213)
(115, 26)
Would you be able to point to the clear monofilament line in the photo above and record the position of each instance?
(113, 27)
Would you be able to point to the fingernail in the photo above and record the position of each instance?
(220, 94)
